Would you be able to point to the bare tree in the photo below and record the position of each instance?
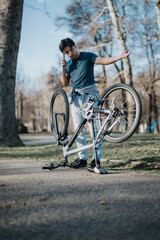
(158, 13)
(149, 43)
(10, 29)
(52, 79)
(121, 40)
(20, 95)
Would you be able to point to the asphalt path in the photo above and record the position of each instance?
(73, 204)
(37, 139)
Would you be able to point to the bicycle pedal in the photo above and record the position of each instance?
(49, 167)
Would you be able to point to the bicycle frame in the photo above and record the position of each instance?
(68, 152)
(96, 139)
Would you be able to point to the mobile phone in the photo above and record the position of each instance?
(64, 55)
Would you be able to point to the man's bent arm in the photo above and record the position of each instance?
(64, 79)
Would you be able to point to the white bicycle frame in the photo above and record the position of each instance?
(96, 139)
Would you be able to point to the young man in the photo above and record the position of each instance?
(80, 71)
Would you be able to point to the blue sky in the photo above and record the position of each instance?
(38, 50)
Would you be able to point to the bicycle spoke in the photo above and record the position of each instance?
(126, 122)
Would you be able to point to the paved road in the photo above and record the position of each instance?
(70, 204)
(36, 139)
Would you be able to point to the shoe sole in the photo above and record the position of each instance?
(99, 171)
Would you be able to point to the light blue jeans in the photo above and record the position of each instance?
(76, 109)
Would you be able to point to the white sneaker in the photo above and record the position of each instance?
(100, 170)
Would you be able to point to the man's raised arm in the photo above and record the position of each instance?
(110, 60)
(64, 76)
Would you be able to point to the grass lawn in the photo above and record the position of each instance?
(140, 152)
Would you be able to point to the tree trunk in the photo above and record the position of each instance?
(10, 29)
(103, 67)
(116, 66)
(121, 40)
(155, 108)
(150, 113)
(21, 107)
(158, 13)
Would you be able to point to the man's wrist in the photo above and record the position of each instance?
(63, 71)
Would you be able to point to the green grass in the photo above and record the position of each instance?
(34, 152)
(140, 152)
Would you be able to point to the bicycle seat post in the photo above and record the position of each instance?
(112, 103)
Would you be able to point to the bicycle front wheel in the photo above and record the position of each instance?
(59, 114)
(128, 110)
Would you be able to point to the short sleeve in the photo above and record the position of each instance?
(93, 57)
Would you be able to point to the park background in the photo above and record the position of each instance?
(91, 25)
(68, 203)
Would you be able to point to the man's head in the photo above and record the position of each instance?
(68, 47)
(66, 42)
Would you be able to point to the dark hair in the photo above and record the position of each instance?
(66, 42)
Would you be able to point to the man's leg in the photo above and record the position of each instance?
(77, 119)
(98, 150)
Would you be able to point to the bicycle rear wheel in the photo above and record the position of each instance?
(59, 114)
(128, 110)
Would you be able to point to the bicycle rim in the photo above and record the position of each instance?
(127, 118)
(59, 114)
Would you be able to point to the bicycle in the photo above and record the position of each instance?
(117, 114)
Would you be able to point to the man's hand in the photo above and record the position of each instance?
(63, 64)
(125, 54)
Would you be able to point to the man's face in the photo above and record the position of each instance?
(71, 52)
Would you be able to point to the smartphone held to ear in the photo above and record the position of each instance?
(64, 55)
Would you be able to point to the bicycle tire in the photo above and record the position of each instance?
(59, 114)
(128, 102)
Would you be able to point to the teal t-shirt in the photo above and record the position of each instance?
(81, 70)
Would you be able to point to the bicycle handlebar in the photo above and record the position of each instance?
(101, 110)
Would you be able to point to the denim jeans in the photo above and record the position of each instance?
(76, 109)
